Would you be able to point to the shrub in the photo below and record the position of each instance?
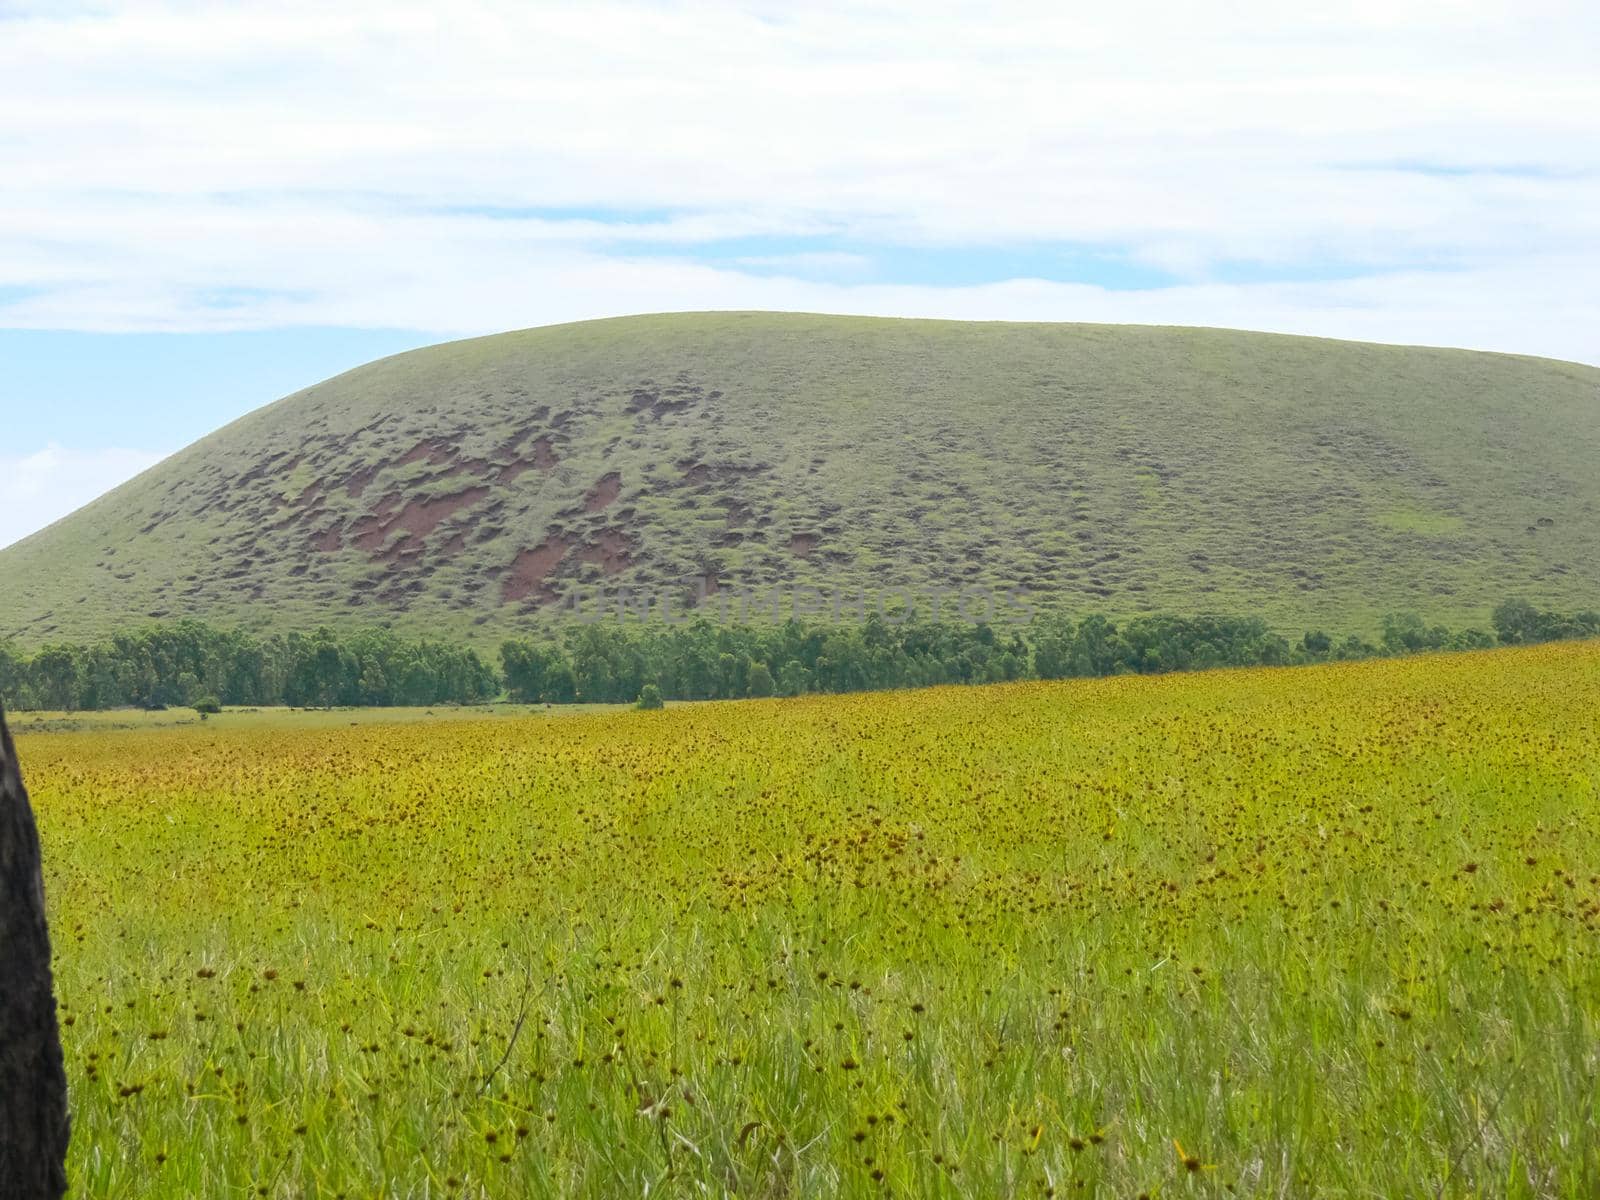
(1316, 642)
(650, 697)
(761, 681)
(208, 704)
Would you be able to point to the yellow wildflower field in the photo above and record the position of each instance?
(1327, 931)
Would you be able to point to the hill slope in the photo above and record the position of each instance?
(467, 488)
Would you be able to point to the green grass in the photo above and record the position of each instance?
(1331, 931)
(1124, 469)
(284, 719)
(1425, 522)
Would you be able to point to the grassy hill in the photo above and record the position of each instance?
(467, 488)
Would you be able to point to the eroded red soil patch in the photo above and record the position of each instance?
(531, 567)
(369, 532)
(603, 493)
(270, 463)
(418, 518)
(358, 480)
(658, 402)
(476, 467)
(612, 550)
(544, 459)
(422, 517)
(696, 472)
(435, 450)
(405, 548)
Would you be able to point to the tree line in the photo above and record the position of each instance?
(190, 663)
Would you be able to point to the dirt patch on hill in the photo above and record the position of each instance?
(406, 550)
(357, 481)
(503, 466)
(422, 517)
(369, 531)
(477, 468)
(657, 401)
(604, 492)
(272, 463)
(801, 545)
(531, 568)
(611, 549)
(543, 459)
(696, 471)
(435, 450)
(419, 517)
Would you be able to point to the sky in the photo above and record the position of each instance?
(204, 207)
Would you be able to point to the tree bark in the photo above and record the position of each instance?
(33, 1081)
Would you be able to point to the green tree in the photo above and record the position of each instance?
(1516, 622)
(761, 681)
(560, 685)
(793, 678)
(54, 674)
(13, 673)
(374, 684)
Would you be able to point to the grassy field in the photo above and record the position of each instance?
(1329, 931)
(465, 489)
(284, 720)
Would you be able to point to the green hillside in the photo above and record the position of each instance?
(467, 488)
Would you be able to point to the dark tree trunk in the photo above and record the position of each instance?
(33, 1083)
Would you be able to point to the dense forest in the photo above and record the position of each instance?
(189, 663)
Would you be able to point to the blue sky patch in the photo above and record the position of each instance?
(160, 391)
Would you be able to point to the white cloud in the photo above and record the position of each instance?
(807, 263)
(39, 488)
(334, 163)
